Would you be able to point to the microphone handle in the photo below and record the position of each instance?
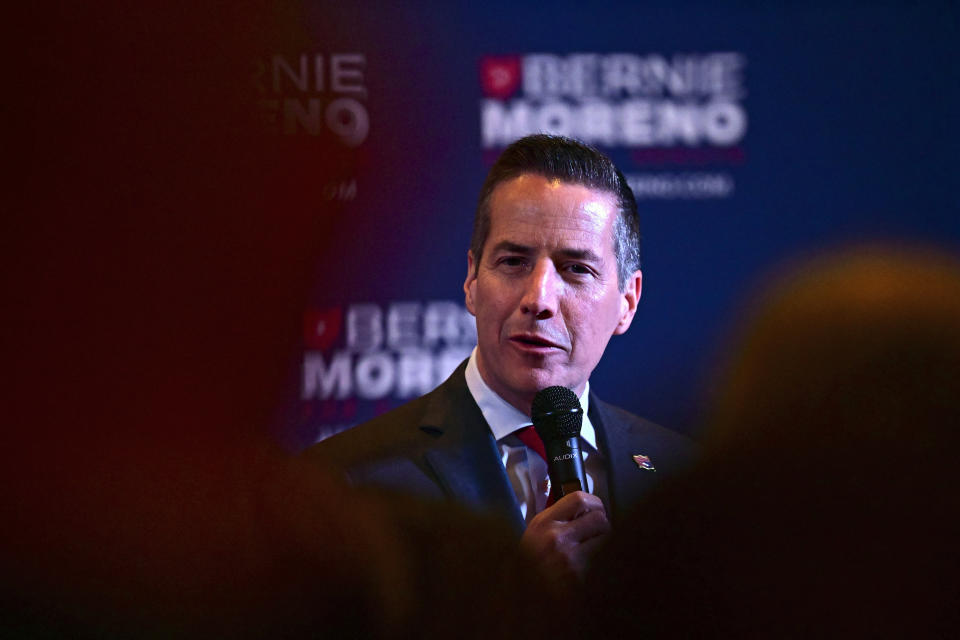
(565, 466)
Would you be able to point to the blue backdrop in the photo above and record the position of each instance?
(751, 135)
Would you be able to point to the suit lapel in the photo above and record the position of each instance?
(625, 480)
(464, 456)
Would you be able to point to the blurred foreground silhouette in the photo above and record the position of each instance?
(159, 250)
(826, 502)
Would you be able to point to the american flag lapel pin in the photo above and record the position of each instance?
(644, 462)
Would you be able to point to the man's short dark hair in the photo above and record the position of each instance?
(567, 160)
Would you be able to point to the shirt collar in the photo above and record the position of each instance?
(503, 418)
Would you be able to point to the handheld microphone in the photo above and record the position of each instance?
(557, 417)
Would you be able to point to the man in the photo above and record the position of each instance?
(553, 272)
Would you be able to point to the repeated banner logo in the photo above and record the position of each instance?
(318, 99)
(315, 94)
(363, 359)
(681, 114)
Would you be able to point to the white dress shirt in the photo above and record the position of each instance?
(526, 470)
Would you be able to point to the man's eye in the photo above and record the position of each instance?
(512, 261)
(579, 269)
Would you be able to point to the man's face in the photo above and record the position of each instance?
(545, 294)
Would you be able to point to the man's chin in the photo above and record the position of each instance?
(530, 383)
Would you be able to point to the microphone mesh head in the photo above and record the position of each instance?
(556, 413)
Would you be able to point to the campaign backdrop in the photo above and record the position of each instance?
(750, 134)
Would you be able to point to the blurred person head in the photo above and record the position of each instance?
(825, 501)
(145, 495)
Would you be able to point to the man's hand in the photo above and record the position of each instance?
(563, 537)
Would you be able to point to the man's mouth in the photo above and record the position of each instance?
(533, 341)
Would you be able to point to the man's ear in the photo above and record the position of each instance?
(629, 298)
(470, 284)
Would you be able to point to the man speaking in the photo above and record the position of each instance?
(553, 272)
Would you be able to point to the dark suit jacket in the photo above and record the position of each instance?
(439, 446)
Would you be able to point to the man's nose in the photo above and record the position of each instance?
(541, 293)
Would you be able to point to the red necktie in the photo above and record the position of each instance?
(528, 436)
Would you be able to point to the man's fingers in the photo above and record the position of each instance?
(579, 517)
(587, 526)
(574, 505)
(564, 537)
(590, 546)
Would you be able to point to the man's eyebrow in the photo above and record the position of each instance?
(506, 246)
(587, 255)
(581, 254)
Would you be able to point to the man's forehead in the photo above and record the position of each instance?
(534, 201)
